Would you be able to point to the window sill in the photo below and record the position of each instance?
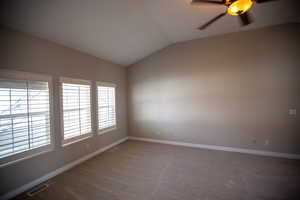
(76, 139)
(25, 155)
(106, 130)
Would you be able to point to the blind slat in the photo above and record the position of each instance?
(24, 116)
(76, 110)
(106, 107)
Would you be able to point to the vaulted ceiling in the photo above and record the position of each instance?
(125, 31)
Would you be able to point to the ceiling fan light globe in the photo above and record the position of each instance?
(234, 9)
(239, 7)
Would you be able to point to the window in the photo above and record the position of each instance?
(106, 107)
(76, 98)
(25, 126)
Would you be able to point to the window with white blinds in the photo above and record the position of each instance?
(76, 95)
(24, 116)
(106, 106)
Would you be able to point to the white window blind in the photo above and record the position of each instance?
(106, 107)
(76, 110)
(24, 116)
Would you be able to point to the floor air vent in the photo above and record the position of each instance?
(37, 190)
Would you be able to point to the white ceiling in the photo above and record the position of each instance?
(125, 31)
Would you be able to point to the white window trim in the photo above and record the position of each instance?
(107, 130)
(76, 139)
(106, 84)
(25, 76)
(19, 75)
(111, 128)
(79, 138)
(74, 81)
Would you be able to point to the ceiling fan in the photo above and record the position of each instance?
(234, 7)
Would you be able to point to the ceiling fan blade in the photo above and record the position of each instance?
(207, 1)
(212, 21)
(245, 19)
(264, 1)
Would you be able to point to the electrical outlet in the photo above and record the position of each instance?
(292, 112)
(267, 142)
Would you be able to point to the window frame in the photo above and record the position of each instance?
(28, 76)
(66, 142)
(111, 128)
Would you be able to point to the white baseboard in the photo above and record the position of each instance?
(221, 148)
(46, 177)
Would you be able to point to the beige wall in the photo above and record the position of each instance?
(233, 90)
(25, 53)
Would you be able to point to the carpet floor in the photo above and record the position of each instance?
(137, 170)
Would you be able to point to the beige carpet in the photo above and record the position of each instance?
(143, 171)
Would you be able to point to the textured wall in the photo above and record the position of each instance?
(233, 90)
(25, 53)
